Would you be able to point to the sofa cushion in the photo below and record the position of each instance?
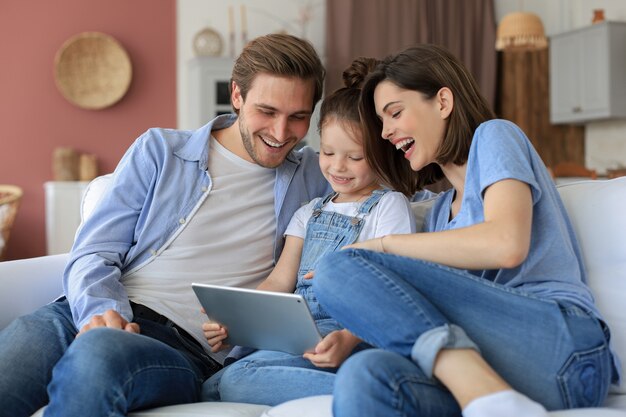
(92, 195)
(316, 406)
(321, 406)
(420, 210)
(596, 209)
(27, 284)
(213, 409)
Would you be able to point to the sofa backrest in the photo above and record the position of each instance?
(595, 209)
(92, 195)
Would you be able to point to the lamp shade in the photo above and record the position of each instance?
(521, 30)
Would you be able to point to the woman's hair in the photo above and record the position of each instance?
(426, 69)
(343, 104)
(281, 55)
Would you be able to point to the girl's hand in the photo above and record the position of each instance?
(215, 334)
(333, 349)
(376, 245)
(309, 275)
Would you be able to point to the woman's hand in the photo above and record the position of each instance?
(333, 349)
(376, 245)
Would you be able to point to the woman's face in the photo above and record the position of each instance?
(413, 123)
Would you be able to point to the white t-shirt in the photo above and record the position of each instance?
(228, 241)
(392, 215)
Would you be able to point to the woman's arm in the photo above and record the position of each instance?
(284, 275)
(501, 241)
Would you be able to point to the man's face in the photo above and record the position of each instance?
(274, 117)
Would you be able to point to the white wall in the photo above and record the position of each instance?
(262, 17)
(605, 141)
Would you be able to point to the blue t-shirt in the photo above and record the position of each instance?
(554, 268)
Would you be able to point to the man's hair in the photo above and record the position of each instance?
(281, 55)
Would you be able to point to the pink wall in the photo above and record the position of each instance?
(35, 118)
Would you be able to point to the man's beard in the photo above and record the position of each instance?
(248, 144)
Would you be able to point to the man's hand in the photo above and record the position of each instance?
(112, 319)
(333, 349)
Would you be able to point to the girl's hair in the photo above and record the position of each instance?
(281, 55)
(343, 104)
(426, 69)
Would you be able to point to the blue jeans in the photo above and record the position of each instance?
(556, 354)
(269, 377)
(104, 372)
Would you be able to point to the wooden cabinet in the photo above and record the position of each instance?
(523, 92)
(208, 89)
(588, 73)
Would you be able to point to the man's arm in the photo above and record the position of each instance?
(110, 318)
(91, 280)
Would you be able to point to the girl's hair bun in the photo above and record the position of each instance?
(354, 75)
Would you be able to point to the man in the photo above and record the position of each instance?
(206, 206)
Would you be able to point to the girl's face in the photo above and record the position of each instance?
(413, 123)
(342, 161)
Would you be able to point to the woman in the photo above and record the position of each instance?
(489, 313)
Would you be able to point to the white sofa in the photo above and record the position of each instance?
(595, 207)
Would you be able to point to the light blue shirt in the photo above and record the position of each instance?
(156, 188)
(554, 266)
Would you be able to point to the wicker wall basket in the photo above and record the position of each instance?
(10, 197)
(92, 70)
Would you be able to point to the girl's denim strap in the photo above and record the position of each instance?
(371, 202)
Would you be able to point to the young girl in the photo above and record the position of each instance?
(357, 210)
(490, 308)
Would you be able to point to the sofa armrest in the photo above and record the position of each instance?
(27, 284)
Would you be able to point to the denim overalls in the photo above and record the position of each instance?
(327, 232)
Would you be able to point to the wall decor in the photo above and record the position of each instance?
(92, 70)
(208, 42)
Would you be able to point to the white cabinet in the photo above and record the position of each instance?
(588, 73)
(208, 89)
(63, 199)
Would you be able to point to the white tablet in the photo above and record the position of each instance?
(260, 319)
